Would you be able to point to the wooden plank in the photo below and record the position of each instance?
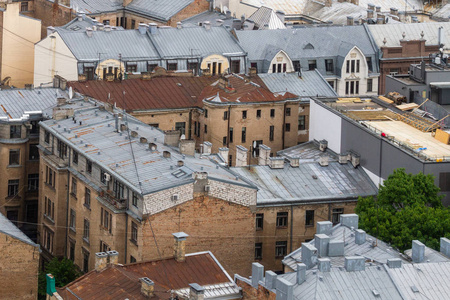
(442, 136)
(407, 106)
(387, 100)
(348, 100)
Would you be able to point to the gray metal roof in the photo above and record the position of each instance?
(290, 7)
(307, 183)
(195, 42)
(265, 15)
(112, 151)
(431, 255)
(379, 254)
(211, 16)
(307, 152)
(95, 6)
(444, 12)
(130, 43)
(19, 104)
(393, 33)
(8, 228)
(311, 83)
(157, 9)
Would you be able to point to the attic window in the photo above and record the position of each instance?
(179, 173)
(75, 28)
(308, 46)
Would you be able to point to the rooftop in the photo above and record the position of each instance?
(8, 228)
(215, 18)
(160, 10)
(265, 15)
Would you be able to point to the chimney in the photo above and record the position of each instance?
(197, 292)
(324, 264)
(252, 72)
(378, 9)
(223, 152)
(323, 144)
(324, 227)
(285, 289)
(100, 26)
(321, 242)
(394, 263)
(301, 273)
(147, 287)
(371, 6)
(257, 274)
(171, 137)
(360, 236)
(113, 257)
(350, 220)
(343, 158)
(79, 17)
(179, 248)
(380, 20)
(60, 101)
(187, 147)
(369, 14)
(228, 14)
(50, 30)
(394, 11)
(276, 162)
(355, 263)
(445, 246)
(108, 28)
(207, 146)
(51, 287)
(323, 160)
(142, 28)
(281, 15)
(153, 28)
(355, 159)
(336, 248)
(309, 255)
(264, 154)
(89, 32)
(219, 22)
(101, 261)
(294, 161)
(179, 25)
(350, 21)
(241, 156)
(270, 280)
(402, 16)
(207, 25)
(418, 251)
(236, 24)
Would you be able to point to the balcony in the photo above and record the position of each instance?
(109, 197)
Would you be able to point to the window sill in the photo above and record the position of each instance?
(14, 166)
(133, 242)
(259, 229)
(86, 241)
(312, 225)
(71, 229)
(13, 197)
(73, 196)
(49, 219)
(87, 206)
(282, 227)
(50, 186)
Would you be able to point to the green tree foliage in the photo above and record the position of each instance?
(409, 208)
(63, 270)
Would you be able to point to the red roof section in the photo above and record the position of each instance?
(122, 281)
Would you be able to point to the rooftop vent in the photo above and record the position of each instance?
(309, 255)
(143, 140)
(355, 263)
(134, 134)
(323, 144)
(166, 154)
(152, 146)
(323, 160)
(257, 274)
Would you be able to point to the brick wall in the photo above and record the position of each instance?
(249, 292)
(18, 269)
(51, 14)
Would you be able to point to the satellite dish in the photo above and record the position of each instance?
(254, 144)
(70, 93)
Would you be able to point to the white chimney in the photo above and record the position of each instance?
(223, 152)
(264, 154)
(301, 273)
(323, 144)
(89, 32)
(323, 160)
(241, 156)
(142, 28)
(179, 25)
(107, 28)
(207, 25)
(418, 251)
(206, 148)
(276, 162)
(257, 274)
(153, 28)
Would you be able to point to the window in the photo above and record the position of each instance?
(33, 182)
(369, 85)
(331, 83)
(85, 261)
(24, 6)
(282, 218)
(102, 176)
(118, 189)
(74, 186)
(280, 249)
(106, 219)
(287, 111)
(134, 232)
(301, 123)
(133, 24)
(357, 66)
(49, 208)
(351, 87)
(13, 216)
(75, 157)
(235, 66)
(172, 66)
(272, 113)
(230, 159)
(47, 137)
(198, 129)
(347, 69)
(151, 67)
(312, 64)
(258, 250)
(288, 127)
(244, 134)
(61, 148)
(224, 140)
(72, 251)
(274, 68)
(135, 200)
(13, 187)
(394, 71)
(309, 218)
(87, 197)
(104, 247)
(369, 63)
(258, 113)
(259, 221)
(34, 152)
(244, 114)
(156, 125)
(206, 128)
(329, 65)
(336, 215)
(132, 259)
(48, 239)
(206, 113)
(86, 230)
(14, 157)
(352, 64)
(88, 166)
(271, 132)
(225, 115)
(254, 65)
(34, 127)
(296, 64)
(89, 72)
(50, 176)
(195, 127)
(231, 134)
(72, 221)
(15, 131)
(181, 126)
(131, 68)
(105, 22)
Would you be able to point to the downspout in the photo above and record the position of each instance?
(126, 238)
(67, 204)
(190, 124)
(292, 228)
(284, 125)
(228, 126)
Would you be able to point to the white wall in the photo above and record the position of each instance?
(323, 124)
(375, 179)
(52, 57)
(281, 58)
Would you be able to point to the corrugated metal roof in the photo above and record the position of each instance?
(311, 83)
(95, 6)
(444, 12)
(15, 103)
(195, 42)
(102, 45)
(227, 290)
(161, 10)
(289, 7)
(265, 15)
(393, 33)
(211, 16)
(8, 228)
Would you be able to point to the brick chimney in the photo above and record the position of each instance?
(113, 257)
(179, 247)
(197, 292)
(264, 154)
(147, 287)
(171, 137)
(101, 261)
(207, 146)
(241, 156)
(187, 147)
(224, 153)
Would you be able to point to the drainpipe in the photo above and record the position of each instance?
(284, 124)
(190, 124)
(292, 228)
(67, 204)
(228, 126)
